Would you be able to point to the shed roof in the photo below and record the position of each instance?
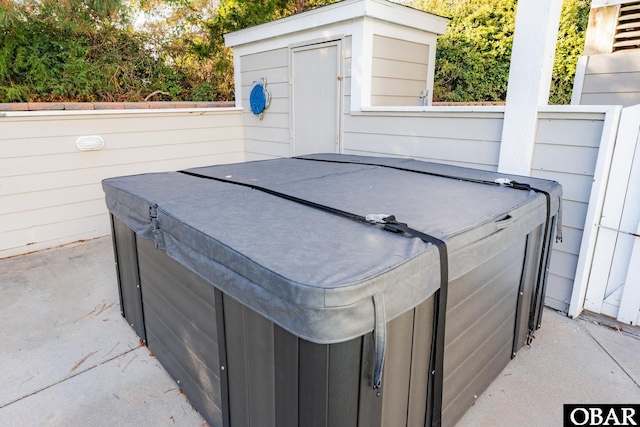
(339, 12)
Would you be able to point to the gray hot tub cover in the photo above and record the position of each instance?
(317, 274)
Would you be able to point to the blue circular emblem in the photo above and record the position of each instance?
(259, 97)
(258, 100)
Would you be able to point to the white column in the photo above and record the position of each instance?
(361, 64)
(534, 46)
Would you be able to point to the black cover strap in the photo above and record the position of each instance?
(325, 208)
(436, 364)
(507, 183)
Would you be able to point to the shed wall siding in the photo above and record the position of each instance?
(399, 71)
(271, 136)
(612, 79)
(566, 150)
(50, 192)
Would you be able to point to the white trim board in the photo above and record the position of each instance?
(603, 3)
(173, 111)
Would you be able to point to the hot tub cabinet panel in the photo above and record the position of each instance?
(182, 314)
(243, 364)
(126, 256)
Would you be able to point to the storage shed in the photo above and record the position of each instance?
(347, 56)
(332, 290)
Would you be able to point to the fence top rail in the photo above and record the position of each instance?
(168, 110)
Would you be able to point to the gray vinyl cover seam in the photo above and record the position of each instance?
(314, 273)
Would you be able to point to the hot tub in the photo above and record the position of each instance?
(332, 290)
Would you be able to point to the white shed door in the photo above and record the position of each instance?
(316, 98)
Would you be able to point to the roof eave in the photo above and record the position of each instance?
(339, 12)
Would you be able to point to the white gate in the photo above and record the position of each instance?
(612, 276)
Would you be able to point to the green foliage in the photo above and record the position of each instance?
(473, 57)
(84, 50)
(89, 50)
(235, 15)
(238, 14)
(571, 37)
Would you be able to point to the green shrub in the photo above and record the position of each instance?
(62, 51)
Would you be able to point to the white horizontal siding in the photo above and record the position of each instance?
(270, 119)
(397, 86)
(463, 139)
(566, 151)
(625, 99)
(269, 149)
(424, 147)
(618, 62)
(557, 289)
(399, 71)
(127, 139)
(80, 176)
(554, 158)
(172, 149)
(612, 79)
(405, 101)
(384, 67)
(551, 129)
(471, 126)
(400, 50)
(50, 192)
(270, 136)
(609, 82)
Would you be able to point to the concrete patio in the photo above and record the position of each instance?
(68, 357)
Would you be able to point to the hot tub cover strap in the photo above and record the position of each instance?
(436, 367)
(379, 337)
(501, 181)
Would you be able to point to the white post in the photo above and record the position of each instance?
(361, 64)
(534, 45)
